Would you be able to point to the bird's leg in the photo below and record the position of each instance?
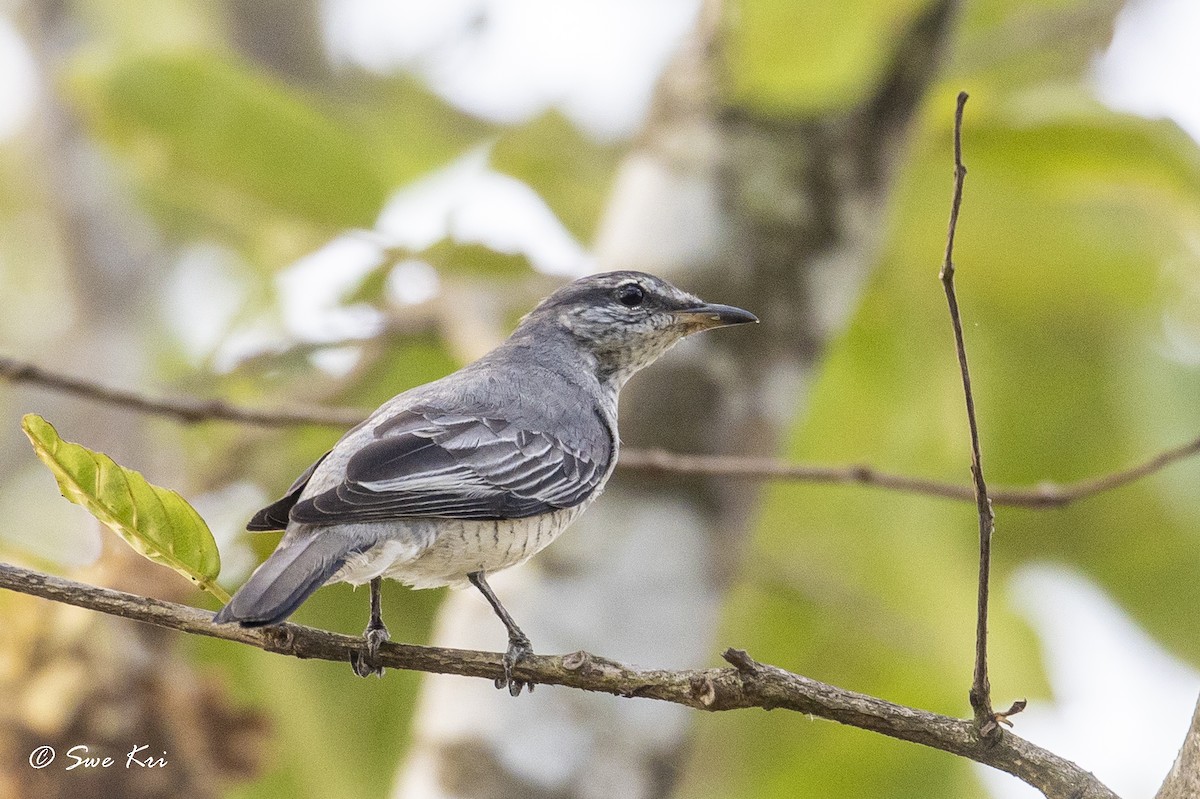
(367, 663)
(518, 642)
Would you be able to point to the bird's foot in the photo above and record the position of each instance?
(366, 662)
(518, 649)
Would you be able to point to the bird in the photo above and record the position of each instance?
(477, 471)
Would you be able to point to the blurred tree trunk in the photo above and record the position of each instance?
(780, 215)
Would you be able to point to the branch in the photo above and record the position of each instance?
(745, 684)
(1183, 781)
(981, 689)
(1042, 496)
(190, 411)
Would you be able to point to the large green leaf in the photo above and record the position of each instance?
(408, 129)
(208, 132)
(787, 57)
(155, 521)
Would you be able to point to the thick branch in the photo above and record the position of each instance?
(1041, 496)
(745, 684)
(1183, 781)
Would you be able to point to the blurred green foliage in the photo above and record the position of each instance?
(335, 734)
(806, 58)
(1071, 212)
(568, 169)
(198, 119)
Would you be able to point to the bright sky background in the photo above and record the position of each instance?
(18, 90)
(1152, 67)
(597, 61)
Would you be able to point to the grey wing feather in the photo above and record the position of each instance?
(432, 464)
(275, 515)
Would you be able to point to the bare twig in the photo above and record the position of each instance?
(1039, 497)
(981, 689)
(1042, 496)
(187, 410)
(745, 684)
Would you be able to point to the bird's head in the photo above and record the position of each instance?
(626, 320)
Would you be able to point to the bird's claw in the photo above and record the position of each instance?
(366, 662)
(518, 649)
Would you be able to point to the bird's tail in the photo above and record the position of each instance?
(284, 580)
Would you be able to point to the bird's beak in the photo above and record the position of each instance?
(710, 315)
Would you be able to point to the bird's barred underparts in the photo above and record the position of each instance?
(458, 547)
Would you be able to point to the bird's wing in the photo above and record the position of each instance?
(457, 466)
(275, 515)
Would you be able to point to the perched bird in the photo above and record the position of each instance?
(478, 471)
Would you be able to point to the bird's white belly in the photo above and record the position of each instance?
(450, 549)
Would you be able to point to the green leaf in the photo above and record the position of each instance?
(408, 129)
(212, 133)
(448, 257)
(454, 257)
(567, 169)
(155, 521)
(788, 57)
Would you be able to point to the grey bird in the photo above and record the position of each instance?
(478, 471)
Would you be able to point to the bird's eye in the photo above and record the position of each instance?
(631, 295)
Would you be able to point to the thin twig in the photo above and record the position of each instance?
(981, 689)
(1042, 496)
(191, 411)
(745, 684)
